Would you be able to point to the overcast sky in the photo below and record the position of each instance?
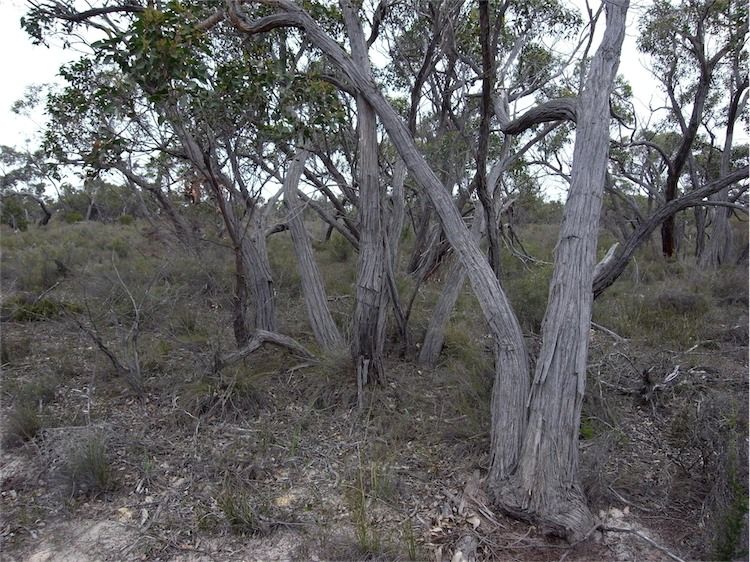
(23, 64)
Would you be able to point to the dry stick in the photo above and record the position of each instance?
(645, 538)
(607, 331)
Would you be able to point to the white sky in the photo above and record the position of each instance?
(22, 64)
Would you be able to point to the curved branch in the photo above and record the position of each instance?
(614, 269)
(562, 109)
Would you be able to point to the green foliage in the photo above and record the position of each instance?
(671, 315)
(367, 536)
(729, 546)
(528, 292)
(13, 213)
(71, 217)
(231, 396)
(22, 309)
(40, 390)
(588, 429)
(339, 247)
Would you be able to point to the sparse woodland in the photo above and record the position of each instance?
(284, 281)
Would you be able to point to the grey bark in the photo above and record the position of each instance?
(432, 344)
(545, 486)
(614, 268)
(368, 328)
(324, 328)
(721, 244)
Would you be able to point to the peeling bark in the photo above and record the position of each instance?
(544, 487)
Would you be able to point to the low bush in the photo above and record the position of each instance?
(22, 424)
(86, 468)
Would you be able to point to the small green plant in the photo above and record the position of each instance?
(410, 541)
(587, 429)
(359, 497)
(39, 391)
(22, 424)
(15, 349)
(340, 248)
(126, 220)
(87, 469)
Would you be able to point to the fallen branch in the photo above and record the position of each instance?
(644, 537)
(259, 338)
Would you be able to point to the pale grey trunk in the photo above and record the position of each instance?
(511, 361)
(258, 272)
(324, 328)
(454, 283)
(393, 242)
(252, 268)
(368, 331)
(545, 486)
(721, 243)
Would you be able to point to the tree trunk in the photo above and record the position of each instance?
(545, 487)
(721, 243)
(369, 312)
(511, 361)
(454, 282)
(614, 269)
(393, 242)
(313, 289)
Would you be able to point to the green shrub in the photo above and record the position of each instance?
(339, 247)
(72, 217)
(40, 390)
(126, 220)
(243, 511)
(528, 293)
(23, 309)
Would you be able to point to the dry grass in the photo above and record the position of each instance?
(274, 448)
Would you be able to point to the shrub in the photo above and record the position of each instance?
(243, 511)
(528, 292)
(86, 469)
(126, 220)
(22, 309)
(71, 217)
(339, 248)
(22, 425)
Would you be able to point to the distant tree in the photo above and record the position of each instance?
(25, 176)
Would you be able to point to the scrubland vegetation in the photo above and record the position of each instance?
(271, 457)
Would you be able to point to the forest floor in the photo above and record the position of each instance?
(272, 460)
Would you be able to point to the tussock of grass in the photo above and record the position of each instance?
(86, 468)
(22, 424)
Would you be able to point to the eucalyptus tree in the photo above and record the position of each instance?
(25, 176)
(535, 417)
(694, 46)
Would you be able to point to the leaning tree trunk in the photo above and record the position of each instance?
(313, 290)
(545, 486)
(511, 362)
(368, 333)
(454, 283)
